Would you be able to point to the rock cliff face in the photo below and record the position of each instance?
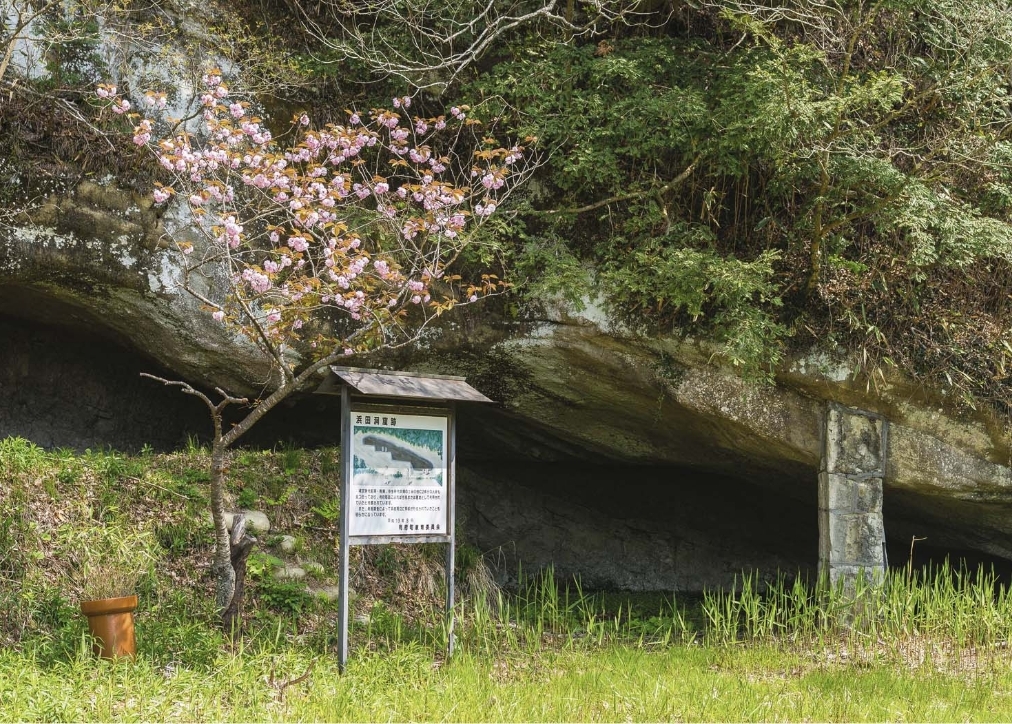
(96, 258)
(630, 461)
(650, 448)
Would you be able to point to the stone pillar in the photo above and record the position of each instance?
(851, 533)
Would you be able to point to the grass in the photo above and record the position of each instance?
(615, 683)
(940, 614)
(925, 645)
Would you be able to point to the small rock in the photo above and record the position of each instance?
(287, 543)
(255, 521)
(313, 568)
(289, 573)
(330, 593)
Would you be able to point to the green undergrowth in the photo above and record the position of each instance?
(51, 500)
(923, 645)
(610, 684)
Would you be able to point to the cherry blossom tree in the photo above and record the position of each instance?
(339, 242)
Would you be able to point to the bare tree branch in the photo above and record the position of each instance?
(21, 22)
(626, 197)
(443, 39)
(187, 388)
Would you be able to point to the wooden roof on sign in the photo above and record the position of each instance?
(405, 385)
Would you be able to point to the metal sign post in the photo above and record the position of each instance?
(398, 468)
(342, 596)
(451, 514)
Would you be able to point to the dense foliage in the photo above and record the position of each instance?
(769, 175)
(834, 174)
(774, 176)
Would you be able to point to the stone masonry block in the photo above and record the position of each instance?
(868, 498)
(853, 443)
(841, 494)
(856, 540)
(850, 574)
(825, 545)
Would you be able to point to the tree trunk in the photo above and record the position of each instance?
(230, 552)
(228, 566)
(241, 546)
(221, 565)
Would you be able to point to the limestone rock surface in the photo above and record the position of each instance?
(634, 462)
(97, 260)
(618, 445)
(255, 520)
(289, 573)
(631, 461)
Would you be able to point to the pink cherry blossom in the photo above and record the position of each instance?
(305, 226)
(259, 282)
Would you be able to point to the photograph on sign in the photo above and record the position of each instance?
(399, 480)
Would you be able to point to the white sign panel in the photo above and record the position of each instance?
(399, 481)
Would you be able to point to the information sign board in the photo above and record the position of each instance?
(399, 482)
(398, 461)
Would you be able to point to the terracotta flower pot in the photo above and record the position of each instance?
(111, 621)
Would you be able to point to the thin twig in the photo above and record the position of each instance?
(625, 197)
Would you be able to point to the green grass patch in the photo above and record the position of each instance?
(923, 645)
(615, 683)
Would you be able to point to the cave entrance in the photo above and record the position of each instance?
(62, 387)
(637, 527)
